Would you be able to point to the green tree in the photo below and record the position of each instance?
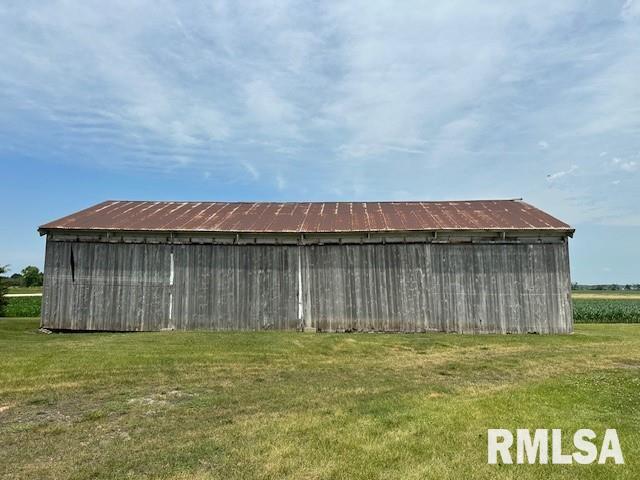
(32, 277)
(3, 290)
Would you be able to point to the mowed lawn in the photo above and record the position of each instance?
(292, 405)
(24, 290)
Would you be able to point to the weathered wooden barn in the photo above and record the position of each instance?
(466, 266)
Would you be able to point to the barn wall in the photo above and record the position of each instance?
(106, 286)
(384, 287)
(438, 287)
(131, 287)
(226, 287)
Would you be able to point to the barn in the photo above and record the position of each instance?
(485, 266)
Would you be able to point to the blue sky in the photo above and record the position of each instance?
(374, 100)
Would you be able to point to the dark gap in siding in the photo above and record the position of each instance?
(73, 266)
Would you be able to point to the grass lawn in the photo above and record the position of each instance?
(25, 290)
(291, 405)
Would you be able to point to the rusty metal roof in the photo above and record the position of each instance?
(309, 217)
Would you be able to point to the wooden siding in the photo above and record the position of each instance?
(103, 286)
(413, 287)
(226, 287)
(437, 287)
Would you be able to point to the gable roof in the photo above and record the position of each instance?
(309, 217)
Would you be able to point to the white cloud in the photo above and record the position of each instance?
(251, 170)
(629, 166)
(625, 165)
(349, 99)
(281, 183)
(631, 10)
(562, 173)
(270, 110)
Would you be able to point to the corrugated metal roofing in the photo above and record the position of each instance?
(309, 217)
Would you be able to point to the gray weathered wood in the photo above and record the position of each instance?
(226, 287)
(439, 287)
(407, 287)
(111, 287)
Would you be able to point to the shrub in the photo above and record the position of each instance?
(23, 307)
(3, 291)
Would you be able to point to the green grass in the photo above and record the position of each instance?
(23, 307)
(25, 290)
(291, 405)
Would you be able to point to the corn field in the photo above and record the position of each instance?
(606, 310)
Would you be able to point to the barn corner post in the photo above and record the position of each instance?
(46, 285)
(567, 265)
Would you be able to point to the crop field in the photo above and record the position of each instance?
(613, 306)
(606, 310)
(23, 307)
(278, 405)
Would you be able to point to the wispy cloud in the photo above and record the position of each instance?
(251, 170)
(270, 111)
(625, 165)
(281, 183)
(354, 99)
(562, 173)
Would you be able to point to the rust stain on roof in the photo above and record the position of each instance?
(309, 217)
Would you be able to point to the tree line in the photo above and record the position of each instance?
(29, 277)
(609, 286)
